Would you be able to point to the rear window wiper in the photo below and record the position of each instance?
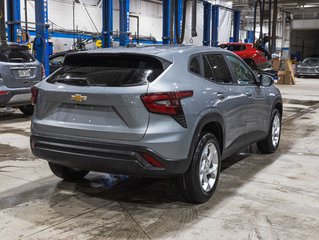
(17, 60)
(73, 81)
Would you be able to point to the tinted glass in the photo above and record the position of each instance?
(111, 70)
(57, 60)
(207, 69)
(14, 54)
(243, 75)
(236, 48)
(218, 70)
(311, 61)
(195, 65)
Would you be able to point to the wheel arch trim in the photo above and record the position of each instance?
(205, 119)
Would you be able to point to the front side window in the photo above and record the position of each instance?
(216, 68)
(243, 75)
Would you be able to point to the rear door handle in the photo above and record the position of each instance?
(220, 95)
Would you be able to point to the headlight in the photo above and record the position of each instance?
(298, 68)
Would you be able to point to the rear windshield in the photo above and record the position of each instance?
(233, 48)
(109, 70)
(16, 55)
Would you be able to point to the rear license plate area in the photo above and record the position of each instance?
(23, 73)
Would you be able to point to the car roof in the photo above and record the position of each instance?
(162, 51)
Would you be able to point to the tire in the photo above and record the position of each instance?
(27, 109)
(192, 184)
(66, 173)
(271, 142)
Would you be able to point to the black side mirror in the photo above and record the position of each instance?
(265, 80)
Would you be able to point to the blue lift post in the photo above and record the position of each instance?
(236, 25)
(215, 20)
(166, 21)
(179, 20)
(107, 22)
(124, 22)
(13, 20)
(250, 36)
(42, 34)
(206, 29)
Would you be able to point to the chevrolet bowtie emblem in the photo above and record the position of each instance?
(78, 98)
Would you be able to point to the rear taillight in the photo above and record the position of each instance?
(34, 96)
(42, 71)
(4, 92)
(167, 103)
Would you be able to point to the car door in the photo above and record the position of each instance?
(257, 110)
(226, 97)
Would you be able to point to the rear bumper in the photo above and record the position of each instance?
(307, 74)
(101, 157)
(15, 97)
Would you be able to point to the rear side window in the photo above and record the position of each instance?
(236, 47)
(216, 68)
(109, 70)
(16, 55)
(194, 65)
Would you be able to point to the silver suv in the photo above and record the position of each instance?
(19, 70)
(154, 111)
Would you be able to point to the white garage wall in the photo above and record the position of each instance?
(305, 24)
(60, 13)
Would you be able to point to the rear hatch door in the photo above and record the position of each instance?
(98, 96)
(18, 67)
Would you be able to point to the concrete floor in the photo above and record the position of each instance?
(259, 196)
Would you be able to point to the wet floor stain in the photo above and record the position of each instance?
(12, 153)
(301, 102)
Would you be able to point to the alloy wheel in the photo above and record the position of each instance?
(208, 167)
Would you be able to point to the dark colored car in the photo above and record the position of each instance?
(154, 111)
(308, 67)
(19, 71)
(56, 60)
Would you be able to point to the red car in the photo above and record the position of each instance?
(253, 57)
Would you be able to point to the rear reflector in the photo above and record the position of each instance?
(152, 160)
(4, 92)
(168, 103)
(34, 95)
